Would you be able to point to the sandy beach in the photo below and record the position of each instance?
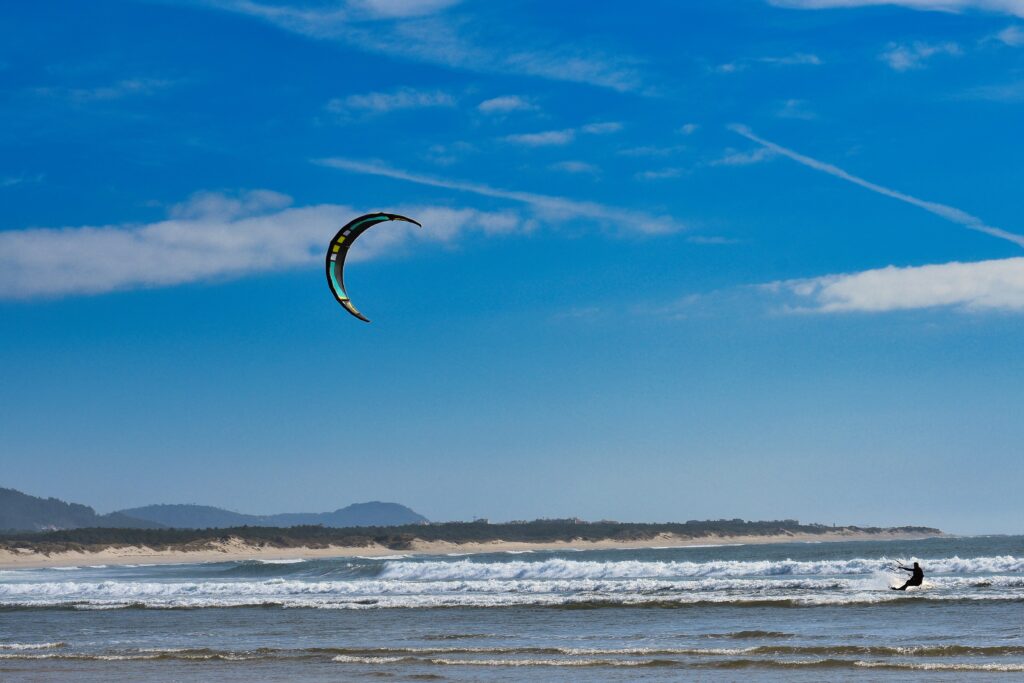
(237, 550)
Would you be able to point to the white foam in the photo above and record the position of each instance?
(558, 568)
(944, 666)
(549, 581)
(350, 659)
(283, 561)
(538, 662)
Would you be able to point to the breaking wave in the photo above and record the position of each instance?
(924, 658)
(487, 582)
(558, 568)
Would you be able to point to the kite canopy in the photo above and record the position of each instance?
(338, 250)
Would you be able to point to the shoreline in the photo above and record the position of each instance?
(236, 550)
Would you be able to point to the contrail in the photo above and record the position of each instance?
(950, 213)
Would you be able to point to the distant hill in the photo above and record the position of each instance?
(190, 516)
(20, 511)
(207, 517)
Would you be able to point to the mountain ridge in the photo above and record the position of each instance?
(188, 516)
(24, 512)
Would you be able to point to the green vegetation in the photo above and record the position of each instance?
(401, 537)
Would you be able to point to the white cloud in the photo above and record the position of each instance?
(546, 138)
(688, 128)
(602, 128)
(212, 236)
(446, 155)
(382, 102)
(1012, 36)
(651, 151)
(560, 65)
(548, 206)
(660, 174)
(729, 67)
(735, 158)
(949, 213)
(425, 34)
(505, 104)
(977, 286)
(795, 59)
(1014, 7)
(115, 91)
(907, 57)
(795, 109)
(11, 181)
(576, 167)
(394, 9)
(1005, 92)
(562, 137)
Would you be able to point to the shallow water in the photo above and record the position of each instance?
(792, 611)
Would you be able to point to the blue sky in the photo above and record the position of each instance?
(679, 260)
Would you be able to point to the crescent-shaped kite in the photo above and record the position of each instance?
(338, 250)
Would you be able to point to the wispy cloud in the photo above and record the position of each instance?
(382, 102)
(1002, 92)
(735, 158)
(396, 9)
(505, 104)
(551, 207)
(446, 155)
(1012, 36)
(651, 150)
(602, 128)
(332, 19)
(211, 236)
(564, 136)
(906, 57)
(796, 109)
(576, 167)
(545, 138)
(795, 59)
(1014, 7)
(688, 128)
(660, 174)
(729, 67)
(949, 213)
(428, 33)
(11, 181)
(977, 286)
(114, 91)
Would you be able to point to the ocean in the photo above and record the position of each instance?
(793, 611)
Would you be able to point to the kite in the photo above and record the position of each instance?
(338, 250)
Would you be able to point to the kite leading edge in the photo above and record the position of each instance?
(338, 250)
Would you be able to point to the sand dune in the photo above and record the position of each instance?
(235, 549)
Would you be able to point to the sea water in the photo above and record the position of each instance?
(821, 611)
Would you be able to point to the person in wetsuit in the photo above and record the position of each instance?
(916, 576)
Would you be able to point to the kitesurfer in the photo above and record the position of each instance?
(916, 576)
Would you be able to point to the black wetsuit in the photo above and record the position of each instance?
(916, 576)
